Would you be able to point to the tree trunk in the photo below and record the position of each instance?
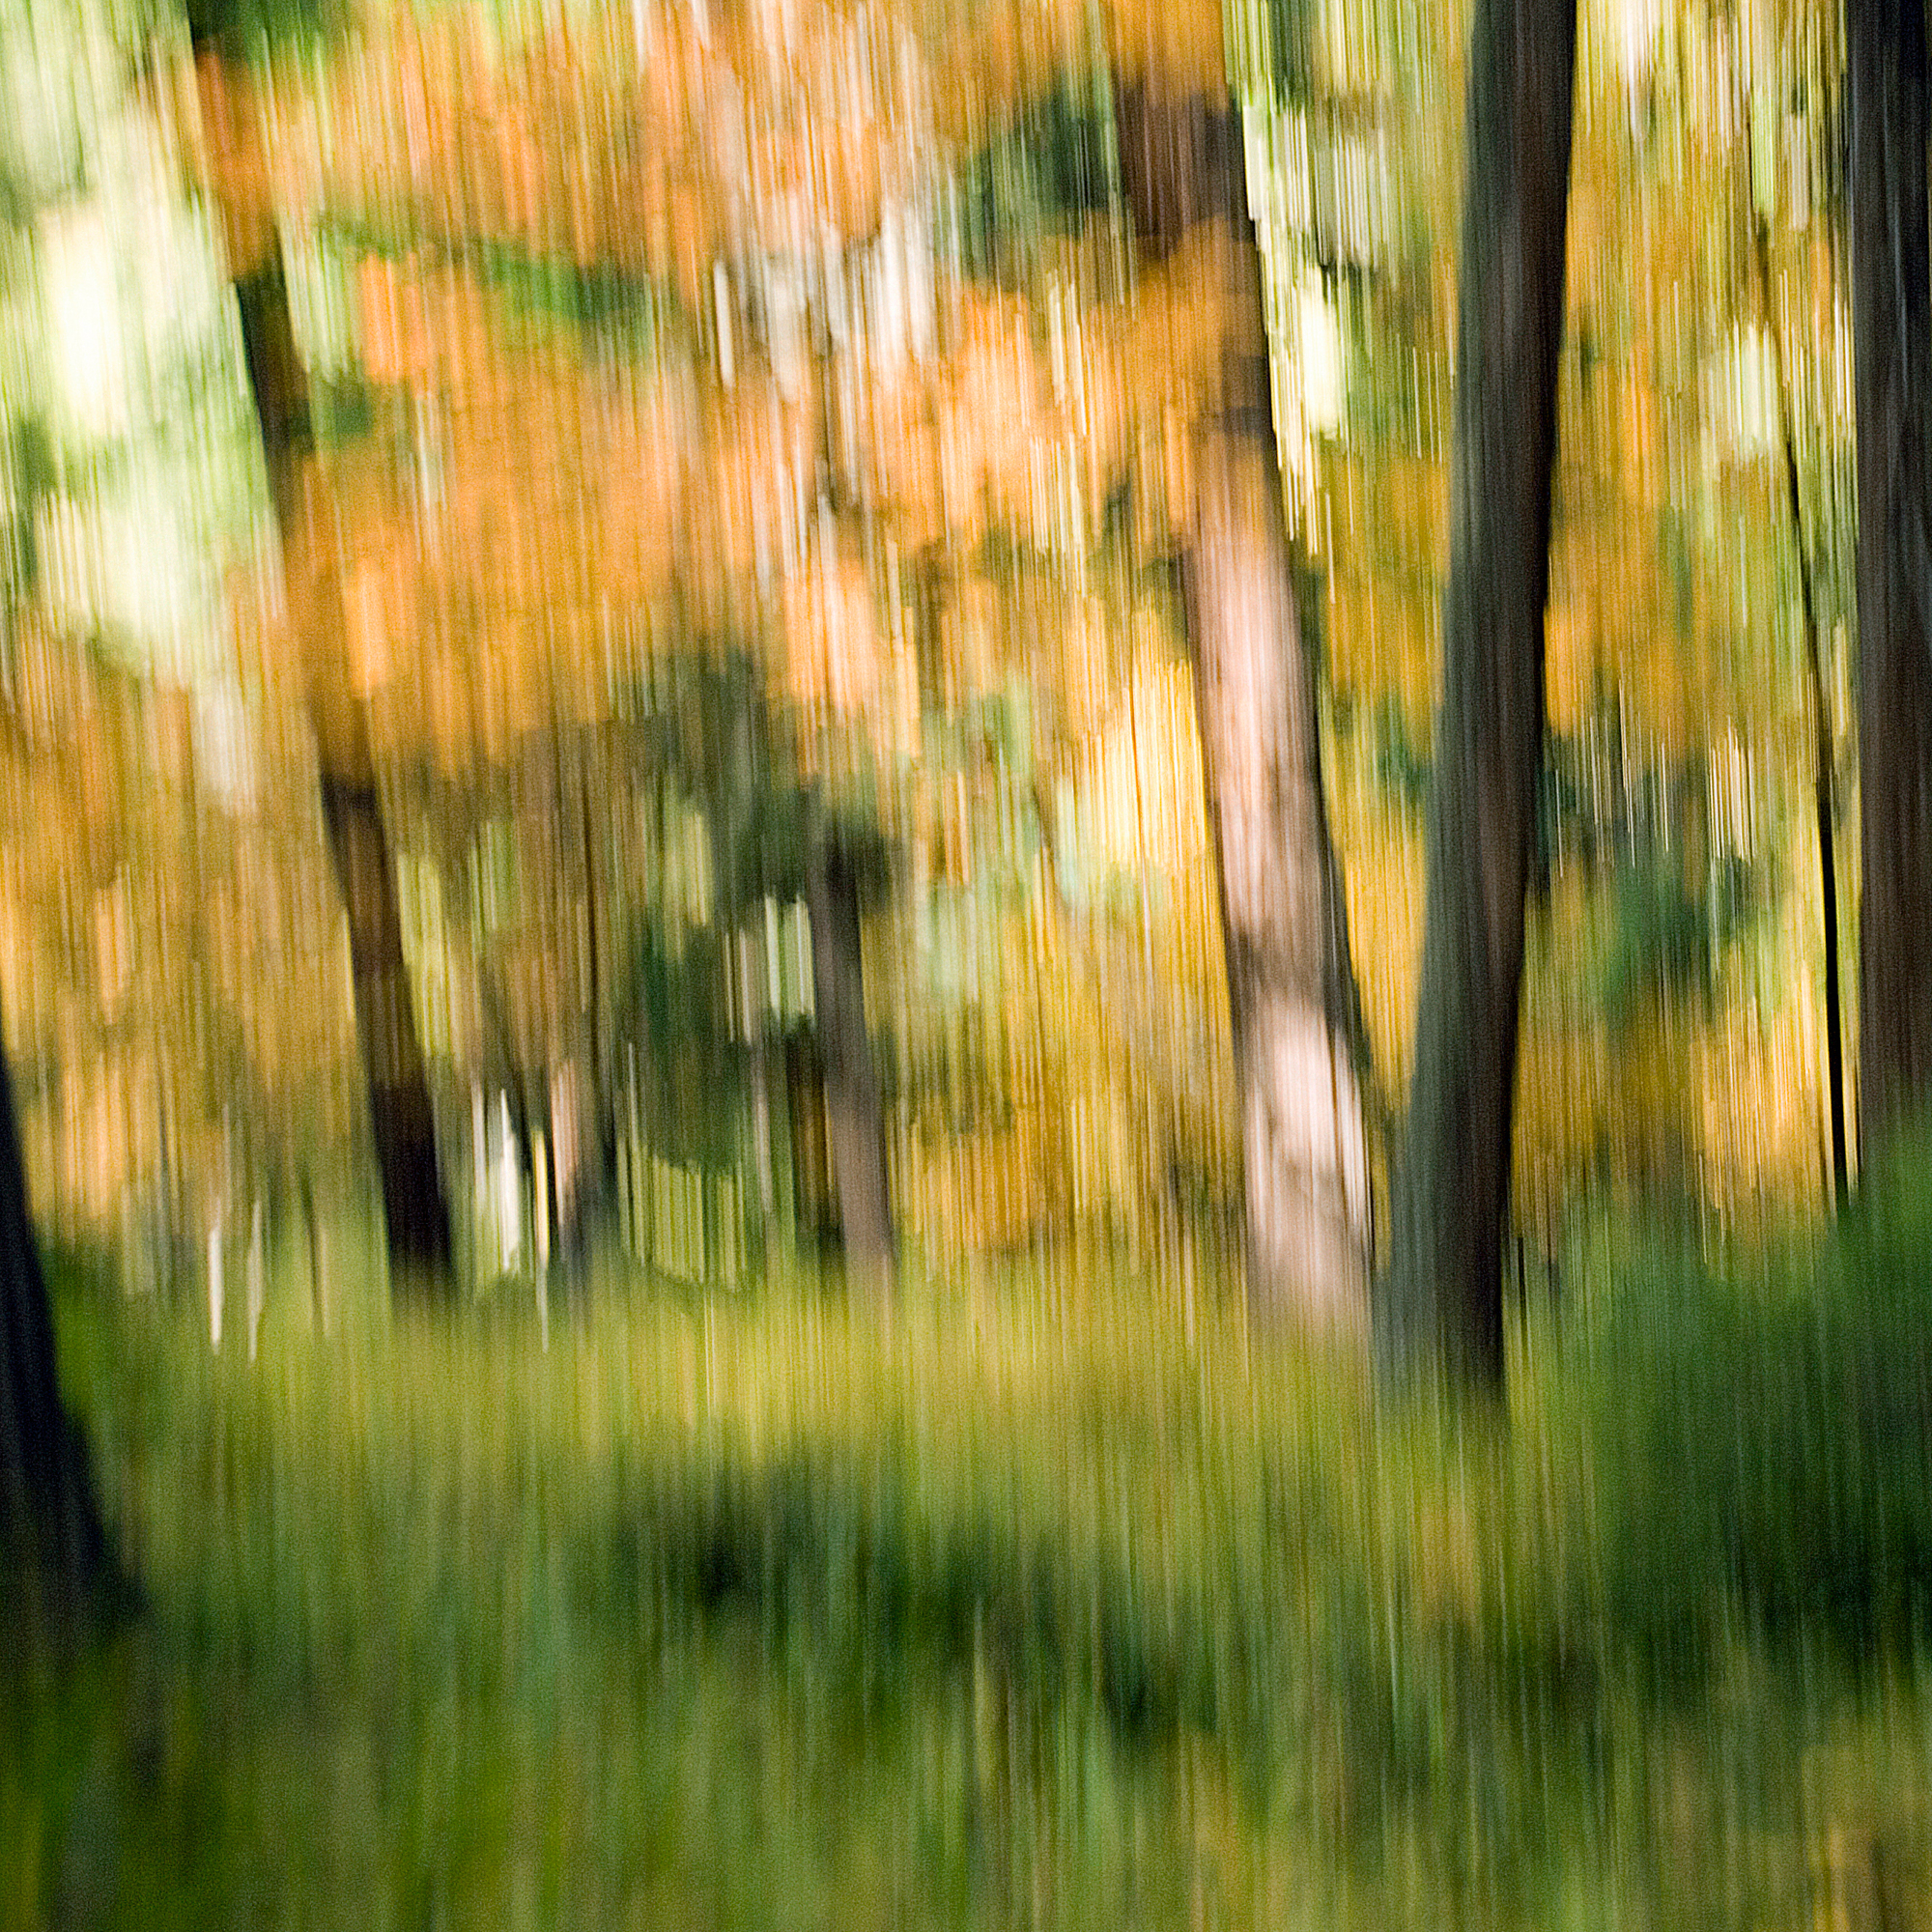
(855, 1121)
(1443, 1300)
(810, 1160)
(1824, 758)
(1284, 923)
(599, 1167)
(1891, 322)
(401, 1115)
(54, 1562)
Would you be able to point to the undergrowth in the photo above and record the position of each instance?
(1033, 1601)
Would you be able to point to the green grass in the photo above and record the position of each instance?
(1041, 1603)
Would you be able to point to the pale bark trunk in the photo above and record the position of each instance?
(854, 1118)
(1892, 321)
(1284, 923)
(1442, 1303)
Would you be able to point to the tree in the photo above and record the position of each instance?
(855, 1119)
(1284, 928)
(1892, 326)
(401, 1114)
(51, 1541)
(1823, 759)
(1442, 1300)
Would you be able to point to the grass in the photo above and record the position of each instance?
(1040, 1604)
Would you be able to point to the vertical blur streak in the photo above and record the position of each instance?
(53, 1551)
(1443, 1301)
(855, 582)
(1892, 322)
(401, 1115)
(1823, 757)
(1283, 926)
(855, 1125)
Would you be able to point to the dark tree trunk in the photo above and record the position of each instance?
(597, 1187)
(1284, 923)
(54, 1563)
(1443, 1300)
(400, 1115)
(811, 1162)
(1891, 324)
(854, 1119)
(400, 1111)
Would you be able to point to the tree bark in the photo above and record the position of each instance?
(401, 1115)
(54, 1561)
(855, 1119)
(1892, 322)
(599, 1167)
(1442, 1303)
(1824, 758)
(1284, 922)
(810, 1162)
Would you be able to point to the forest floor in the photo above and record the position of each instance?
(1049, 1601)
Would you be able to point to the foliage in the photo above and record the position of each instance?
(259, 29)
(1763, 1444)
(1051, 169)
(624, 331)
(1031, 1577)
(1668, 939)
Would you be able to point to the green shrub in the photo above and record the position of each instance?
(1762, 1446)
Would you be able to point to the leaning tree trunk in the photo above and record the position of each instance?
(1443, 1300)
(401, 1116)
(1891, 324)
(1284, 923)
(54, 1561)
(855, 1119)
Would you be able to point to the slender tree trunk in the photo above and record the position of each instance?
(761, 1139)
(401, 1115)
(1891, 324)
(54, 1561)
(1284, 923)
(810, 1162)
(599, 1166)
(855, 1121)
(1824, 758)
(502, 1060)
(1443, 1300)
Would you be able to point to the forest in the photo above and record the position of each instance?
(965, 963)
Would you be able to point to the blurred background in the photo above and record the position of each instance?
(718, 745)
(714, 423)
